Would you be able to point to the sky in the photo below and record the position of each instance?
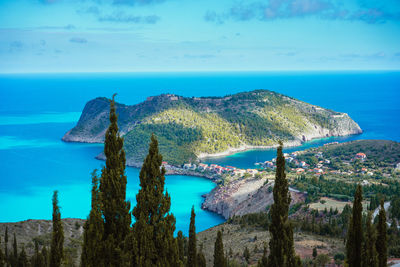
(198, 35)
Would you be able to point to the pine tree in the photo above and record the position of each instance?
(281, 244)
(152, 233)
(115, 208)
(201, 259)
(369, 254)
(355, 232)
(181, 246)
(93, 230)
(219, 257)
(381, 242)
(192, 249)
(57, 238)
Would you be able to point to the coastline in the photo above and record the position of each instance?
(174, 170)
(243, 148)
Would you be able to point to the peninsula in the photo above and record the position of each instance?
(191, 128)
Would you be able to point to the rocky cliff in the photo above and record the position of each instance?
(244, 196)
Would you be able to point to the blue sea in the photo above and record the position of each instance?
(37, 109)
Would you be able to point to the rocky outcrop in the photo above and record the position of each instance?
(244, 196)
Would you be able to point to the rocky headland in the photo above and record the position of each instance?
(192, 128)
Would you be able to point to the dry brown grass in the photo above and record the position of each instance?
(236, 239)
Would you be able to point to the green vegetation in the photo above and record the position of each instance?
(110, 240)
(369, 254)
(381, 241)
(381, 157)
(57, 240)
(187, 127)
(342, 188)
(355, 234)
(192, 248)
(93, 230)
(153, 243)
(114, 207)
(281, 244)
(219, 254)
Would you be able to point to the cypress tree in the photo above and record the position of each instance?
(381, 242)
(38, 259)
(115, 208)
(192, 253)
(152, 233)
(57, 238)
(181, 246)
(14, 260)
(219, 257)
(6, 245)
(355, 232)
(263, 262)
(246, 254)
(369, 255)
(1, 255)
(45, 255)
(281, 245)
(23, 258)
(93, 230)
(314, 253)
(201, 259)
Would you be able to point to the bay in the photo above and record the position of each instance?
(38, 109)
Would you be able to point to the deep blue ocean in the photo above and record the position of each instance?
(37, 109)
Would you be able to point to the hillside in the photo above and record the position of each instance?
(29, 231)
(189, 128)
(236, 235)
(376, 158)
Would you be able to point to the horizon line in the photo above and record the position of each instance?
(199, 71)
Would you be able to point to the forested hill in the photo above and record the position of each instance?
(189, 127)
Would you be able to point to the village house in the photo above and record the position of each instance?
(202, 167)
(268, 164)
(230, 168)
(189, 166)
(289, 159)
(303, 164)
(360, 156)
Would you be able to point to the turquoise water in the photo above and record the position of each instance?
(37, 110)
(34, 162)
